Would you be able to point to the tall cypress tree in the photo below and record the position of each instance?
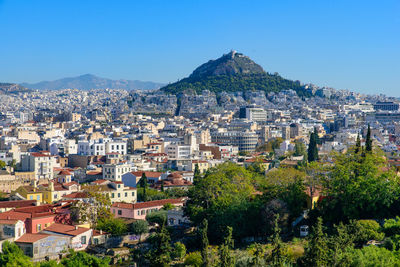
(312, 151)
(143, 184)
(226, 259)
(358, 144)
(204, 243)
(368, 141)
(277, 254)
(196, 175)
(316, 252)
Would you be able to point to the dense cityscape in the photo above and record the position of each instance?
(231, 165)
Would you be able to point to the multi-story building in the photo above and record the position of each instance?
(114, 172)
(246, 141)
(177, 151)
(42, 163)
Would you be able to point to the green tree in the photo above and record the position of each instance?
(160, 254)
(143, 183)
(300, 149)
(157, 217)
(312, 151)
(204, 243)
(193, 259)
(12, 256)
(316, 251)
(368, 140)
(358, 144)
(196, 175)
(222, 196)
(83, 259)
(113, 226)
(179, 251)
(168, 206)
(225, 255)
(2, 164)
(359, 187)
(278, 252)
(139, 227)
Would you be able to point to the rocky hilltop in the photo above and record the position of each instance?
(233, 72)
(233, 63)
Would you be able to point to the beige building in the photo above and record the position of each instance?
(42, 163)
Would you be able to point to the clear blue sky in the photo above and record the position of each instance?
(340, 43)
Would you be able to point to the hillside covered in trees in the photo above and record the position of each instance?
(233, 72)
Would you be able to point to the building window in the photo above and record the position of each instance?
(133, 194)
(119, 212)
(31, 197)
(112, 195)
(143, 212)
(39, 227)
(126, 194)
(138, 212)
(96, 241)
(119, 194)
(38, 197)
(83, 240)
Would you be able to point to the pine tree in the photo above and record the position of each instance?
(278, 252)
(316, 253)
(204, 243)
(358, 144)
(312, 148)
(226, 259)
(161, 254)
(368, 141)
(196, 176)
(143, 184)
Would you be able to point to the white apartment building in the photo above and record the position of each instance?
(101, 147)
(176, 151)
(91, 148)
(116, 147)
(114, 172)
(42, 163)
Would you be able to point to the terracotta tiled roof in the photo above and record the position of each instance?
(11, 221)
(38, 154)
(122, 205)
(12, 215)
(148, 174)
(66, 229)
(77, 195)
(70, 183)
(31, 238)
(64, 172)
(17, 203)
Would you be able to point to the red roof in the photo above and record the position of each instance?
(31, 238)
(17, 203)
(64, 172)
(77, 195)
(11, 221)
(148, 174)
(66, 229)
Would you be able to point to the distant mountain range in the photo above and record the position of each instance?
(89, 81)
(233, 72)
